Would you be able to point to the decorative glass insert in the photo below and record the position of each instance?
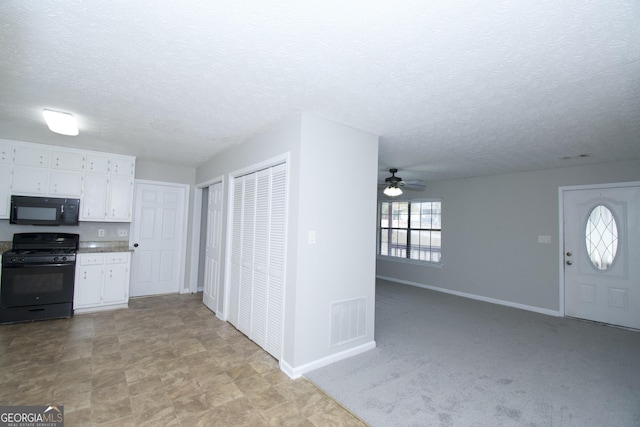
(601, 237)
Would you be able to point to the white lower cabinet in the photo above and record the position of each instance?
(102, 281)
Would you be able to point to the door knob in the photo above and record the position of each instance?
(569, 262)
(569, 254)
(135, 245)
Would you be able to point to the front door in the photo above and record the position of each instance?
(213, 248)
(158, 238)
(602, 253)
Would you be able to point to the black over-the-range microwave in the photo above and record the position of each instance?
(44, 210)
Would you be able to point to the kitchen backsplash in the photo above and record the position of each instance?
(88, 231)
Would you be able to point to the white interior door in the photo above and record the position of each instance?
(601, 253)
(213, 248)
(157, 238)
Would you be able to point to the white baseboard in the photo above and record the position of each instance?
(535, 309)
(297, 372)
(100, 308)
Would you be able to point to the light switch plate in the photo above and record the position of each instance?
(312, 237)
(101, 232)
(544, 239)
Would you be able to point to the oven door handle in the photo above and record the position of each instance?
(40, 265)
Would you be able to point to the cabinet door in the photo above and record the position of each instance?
(30, 181)
(65, 183)
(97, 164)
(116, 282)
(5, 193)
(121, 166)
(94, 198)
(120, 199)
(27, 155)
(6, 153)
(88, 286)
(69, 161)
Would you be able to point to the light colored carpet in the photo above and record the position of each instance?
(443, 360)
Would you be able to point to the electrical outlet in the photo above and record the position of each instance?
(101, 232)
(544, 239)
(122, 233)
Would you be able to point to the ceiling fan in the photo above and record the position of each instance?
(394, 184)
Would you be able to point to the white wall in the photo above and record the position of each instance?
(338, 184)
(153, 171)
(342, 264)
(490, 229)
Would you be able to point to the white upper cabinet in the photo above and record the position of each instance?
(122, 166)
(93, 206)
(6, 153)
(66, 173)
(68, 161)
(97, 164)
(30, 181)
(28, 155)
(103, 182)
(5, 194)
(65, 184)
(120, 199)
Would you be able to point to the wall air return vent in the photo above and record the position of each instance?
(348, 321)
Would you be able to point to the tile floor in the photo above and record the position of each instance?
(165, 361)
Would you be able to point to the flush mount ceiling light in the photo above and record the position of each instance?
(60, 122)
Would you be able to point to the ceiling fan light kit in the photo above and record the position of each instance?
(392, 191)
(393, 184)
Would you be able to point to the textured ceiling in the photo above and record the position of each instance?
(453, 88)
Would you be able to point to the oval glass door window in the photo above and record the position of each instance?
(601, 237)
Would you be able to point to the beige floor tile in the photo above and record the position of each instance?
(164, 361)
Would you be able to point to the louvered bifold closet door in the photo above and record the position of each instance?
(258, 256)
(248, 231)
(236, 251)
(276, 267)
(260, 259)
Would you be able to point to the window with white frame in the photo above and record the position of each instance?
(411, 230)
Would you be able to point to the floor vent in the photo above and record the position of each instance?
(348, 320)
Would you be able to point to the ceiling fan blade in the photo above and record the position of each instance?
(396, 181)
(414, 184)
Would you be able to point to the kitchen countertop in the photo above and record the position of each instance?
(113, 246)
(86, 247)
